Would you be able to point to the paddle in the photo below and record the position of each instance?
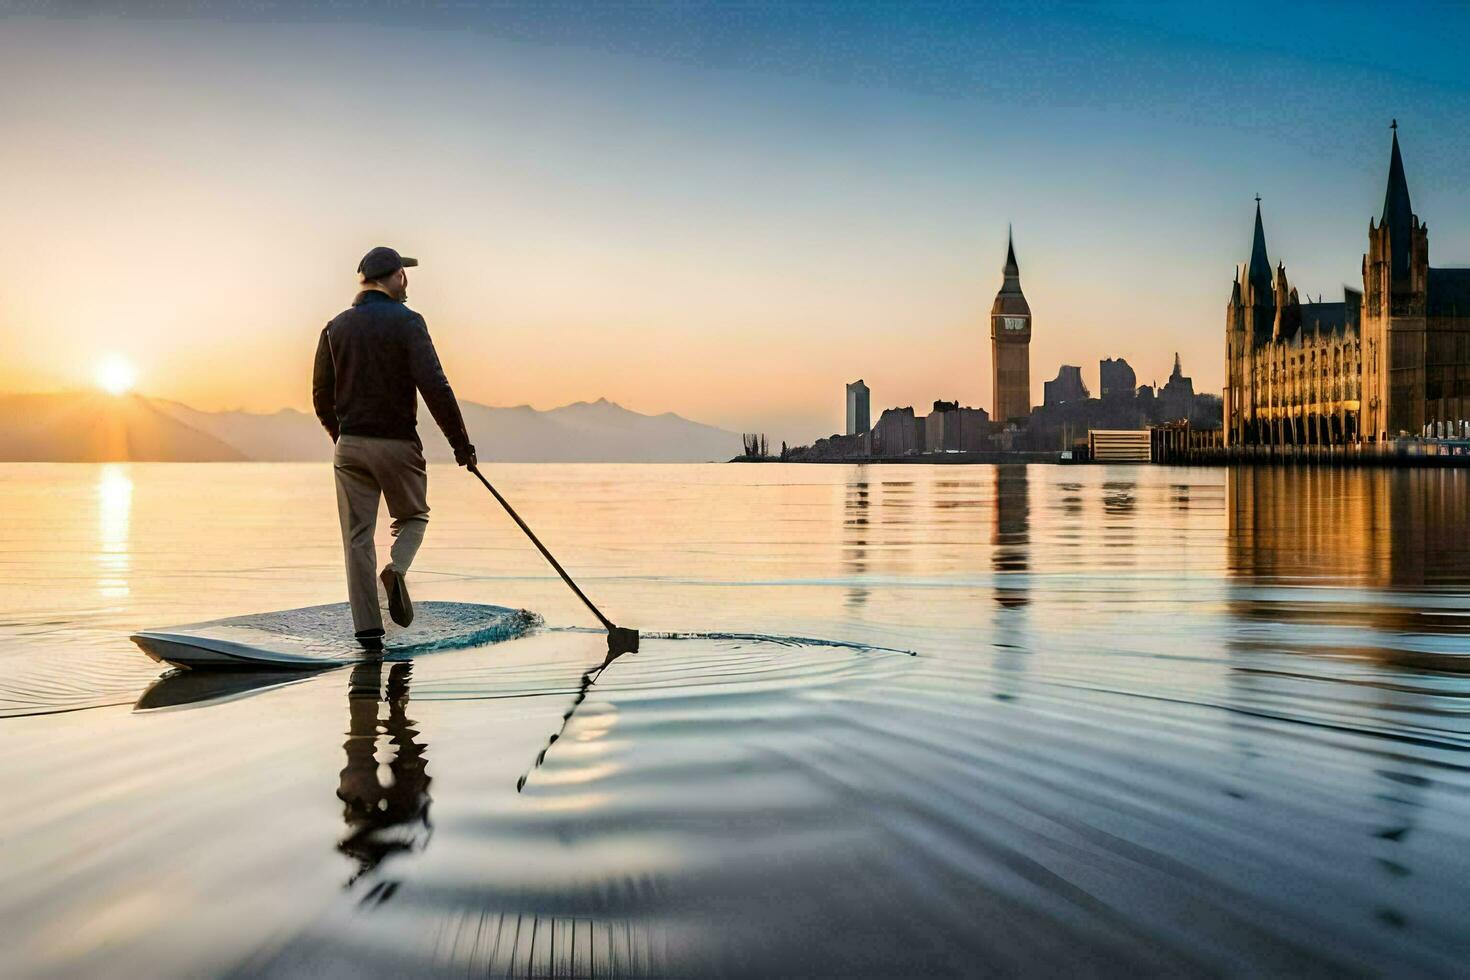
(620, 640)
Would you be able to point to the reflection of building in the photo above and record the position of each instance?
(855, 533)
(1010, 538)
(1116, 379)
(1385, 529)
(1382, 362)
(857, 408)
(1010, 345)
(1068, 386)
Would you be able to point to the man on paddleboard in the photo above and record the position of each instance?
(372, 362)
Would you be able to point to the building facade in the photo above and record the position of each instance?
(955, 428)
(1067, 386)
(1176, 398)
(898, 433)
(1010, 345)
(857, 408)
(1383, 363)
(1116, 379)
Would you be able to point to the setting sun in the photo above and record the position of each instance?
(116, 376)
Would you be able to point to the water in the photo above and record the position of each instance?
(1157, 720)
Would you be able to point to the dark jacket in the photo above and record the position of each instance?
(369, 361)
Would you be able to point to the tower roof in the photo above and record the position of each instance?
(1259, 272)
(1398, 213)
(1010, 299)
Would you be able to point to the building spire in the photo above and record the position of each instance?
(1259, 273)
(1012, 270)
(1398, 213)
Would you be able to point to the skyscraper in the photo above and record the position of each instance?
(857, 408)
(1010, 344)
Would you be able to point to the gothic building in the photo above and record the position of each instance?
(1383, 362)
(1010, 345)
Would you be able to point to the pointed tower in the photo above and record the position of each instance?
(1250, 322)
(1395, 290)
(1258, 273)
(1010, 344)
(1260, 291)
(1398, 212)
(1288, 308)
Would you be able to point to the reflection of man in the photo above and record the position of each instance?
(369, 362)
(382, 819)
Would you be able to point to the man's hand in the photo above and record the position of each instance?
(465, 456)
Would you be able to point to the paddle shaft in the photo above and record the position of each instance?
(607, 623)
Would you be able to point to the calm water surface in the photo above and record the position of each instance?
(1158, 720)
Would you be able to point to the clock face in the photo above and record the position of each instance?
(1012, 323)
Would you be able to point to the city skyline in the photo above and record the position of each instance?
(626, 204)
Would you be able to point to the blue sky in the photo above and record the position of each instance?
(721, 210)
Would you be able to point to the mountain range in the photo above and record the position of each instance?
(96, 427)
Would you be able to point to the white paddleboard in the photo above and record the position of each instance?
(321, 636)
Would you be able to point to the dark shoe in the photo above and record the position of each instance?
(370, 639)
(400, 606)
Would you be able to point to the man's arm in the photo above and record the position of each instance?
(428, 377)
(324, 386)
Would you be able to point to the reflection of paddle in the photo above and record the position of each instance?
(588, 679)
(619, 639)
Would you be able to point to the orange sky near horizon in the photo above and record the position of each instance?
(726, 243)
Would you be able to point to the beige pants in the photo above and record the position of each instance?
(368, 468)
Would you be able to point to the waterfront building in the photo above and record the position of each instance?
(898, 433)
(1384, 362)
(1010, 344)
(1067, 386)
(952, 427)
(1119, 445)
(857, 408)
(1116, 379)
(1416, 322)
(934, 426)
(1176, 398)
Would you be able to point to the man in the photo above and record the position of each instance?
(370, 362)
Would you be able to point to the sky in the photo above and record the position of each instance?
(726, 211)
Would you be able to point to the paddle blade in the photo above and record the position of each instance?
(621, 640)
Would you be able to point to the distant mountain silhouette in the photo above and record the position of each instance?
(94, 427)
(84, 426)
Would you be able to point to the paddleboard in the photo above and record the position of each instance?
(321, 636)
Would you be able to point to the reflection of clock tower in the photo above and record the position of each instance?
(1010, 345)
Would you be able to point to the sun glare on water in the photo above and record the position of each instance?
(116, 376)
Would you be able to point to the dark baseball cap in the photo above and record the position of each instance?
(383, 261)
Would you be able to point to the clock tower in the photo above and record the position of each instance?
(1010, 345)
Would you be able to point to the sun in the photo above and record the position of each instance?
(116, 375)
